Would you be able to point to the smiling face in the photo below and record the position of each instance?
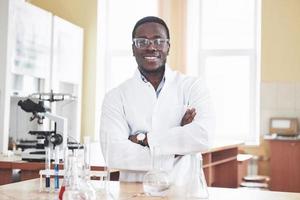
(151, 59)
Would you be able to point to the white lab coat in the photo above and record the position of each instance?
(134, 106)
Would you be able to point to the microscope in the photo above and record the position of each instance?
(55, 139)
(53, 144)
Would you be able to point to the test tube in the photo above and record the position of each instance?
(56, 169)
(87, 166)
(47, 167)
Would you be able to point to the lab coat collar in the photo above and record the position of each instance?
(169, 74)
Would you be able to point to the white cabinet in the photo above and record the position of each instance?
(29, 39)
(67, 51)
(39, 52)
(67, 71)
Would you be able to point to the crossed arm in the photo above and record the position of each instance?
(187, 118)
(194, 134)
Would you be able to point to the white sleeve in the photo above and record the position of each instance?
(118, 151)
(193, 137)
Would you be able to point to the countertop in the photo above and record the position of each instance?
(26, 190)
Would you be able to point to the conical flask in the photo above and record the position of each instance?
(156, 182)
(197, 187)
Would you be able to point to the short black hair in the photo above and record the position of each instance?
(150, 19)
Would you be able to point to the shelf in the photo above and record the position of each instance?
(222, 161)
(221, 155)
(220, 166)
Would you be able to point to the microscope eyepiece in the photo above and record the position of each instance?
(30, 106)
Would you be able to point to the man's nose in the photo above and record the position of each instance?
(151, 45)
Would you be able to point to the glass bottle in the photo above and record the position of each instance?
(72, 190)
(156, 182)
(197, 187)
(77, 184)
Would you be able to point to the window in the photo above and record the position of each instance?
(224, 41)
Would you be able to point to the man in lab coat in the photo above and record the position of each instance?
(157, 107)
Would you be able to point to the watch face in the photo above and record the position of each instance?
(140, 137)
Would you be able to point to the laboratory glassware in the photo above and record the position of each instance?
(156, 182)
(197, 187)
(76, 189)
(85, 183)
(56, 168)
(47, 167)
(65, 182)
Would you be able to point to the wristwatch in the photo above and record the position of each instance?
(141, 138)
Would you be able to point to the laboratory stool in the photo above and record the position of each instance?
(256, 181)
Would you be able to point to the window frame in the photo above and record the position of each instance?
(197, 56)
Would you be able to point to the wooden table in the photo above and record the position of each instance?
(29, 170)
(29, 189)
(222, 157)
(6, 166)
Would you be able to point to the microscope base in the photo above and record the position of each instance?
(33, 155)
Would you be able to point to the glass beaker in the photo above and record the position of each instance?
(156, 182)
(197, 187)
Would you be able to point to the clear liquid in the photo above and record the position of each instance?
(156, 189)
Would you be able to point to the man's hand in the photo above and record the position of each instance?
(188, 116)
(133, 139)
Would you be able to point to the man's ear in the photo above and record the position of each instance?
(132, 47)
(169, 49)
